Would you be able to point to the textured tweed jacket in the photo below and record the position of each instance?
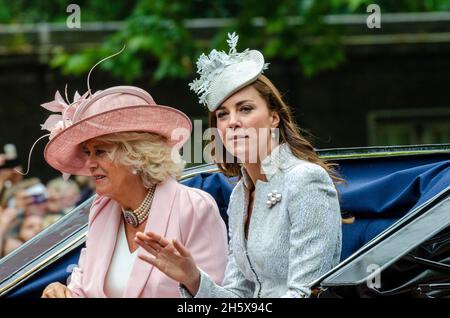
(290, 244)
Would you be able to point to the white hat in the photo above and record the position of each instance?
(223, 74)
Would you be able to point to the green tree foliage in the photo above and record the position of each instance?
(25, 11)
(156, 31)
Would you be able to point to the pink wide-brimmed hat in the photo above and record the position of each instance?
(113, 110)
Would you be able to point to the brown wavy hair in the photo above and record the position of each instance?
(288, 130)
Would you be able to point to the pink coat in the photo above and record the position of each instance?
(188, 214)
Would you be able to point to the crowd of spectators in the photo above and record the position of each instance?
(28, 205)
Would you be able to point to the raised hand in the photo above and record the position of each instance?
(7, 216)
(171, 258)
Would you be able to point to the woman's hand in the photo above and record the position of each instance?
(171, 258)
(56, 290)
(23, 200)
(7, 216)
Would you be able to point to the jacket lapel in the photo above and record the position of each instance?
(157, 222)
(102, 242)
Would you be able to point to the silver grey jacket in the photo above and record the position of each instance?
(289, 244)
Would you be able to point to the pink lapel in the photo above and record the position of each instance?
(102, 240)
(157, 222)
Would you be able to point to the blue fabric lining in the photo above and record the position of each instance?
(216, 184)
(389, 188)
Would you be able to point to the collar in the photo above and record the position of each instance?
(281, 157)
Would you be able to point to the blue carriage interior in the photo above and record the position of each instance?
(377, 192)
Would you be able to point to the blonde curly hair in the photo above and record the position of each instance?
(147, 153)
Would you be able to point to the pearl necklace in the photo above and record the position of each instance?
(136, 217)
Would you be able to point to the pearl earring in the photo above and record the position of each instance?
(272, 134)
(134, 171)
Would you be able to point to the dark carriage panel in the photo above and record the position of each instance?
(27, 265)
(416, 250)
(58, 271)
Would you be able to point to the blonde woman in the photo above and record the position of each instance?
(129, 146)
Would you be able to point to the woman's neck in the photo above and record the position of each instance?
(132, 199)
(254, 169)
(255, 172)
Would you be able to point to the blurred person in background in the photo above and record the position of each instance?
(25, 199)
(30, 200)
(30, 226)
(62, 197)
(7, 217)
(9, 169)
(87, 188)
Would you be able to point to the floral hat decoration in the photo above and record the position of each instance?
(222, 74)
(115, 109)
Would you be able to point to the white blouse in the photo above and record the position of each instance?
(120, 267)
